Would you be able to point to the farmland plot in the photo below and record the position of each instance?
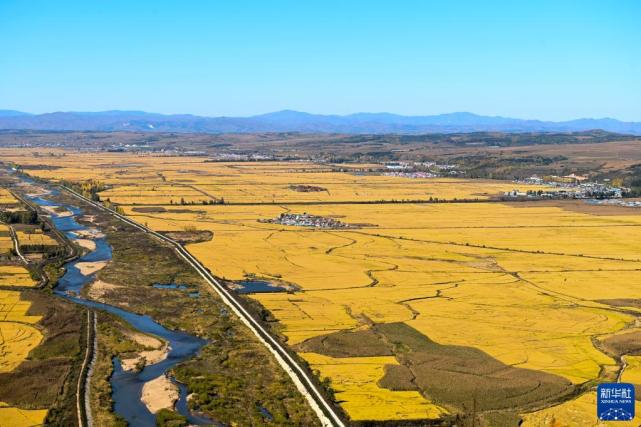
(417, 311)
(18, 337)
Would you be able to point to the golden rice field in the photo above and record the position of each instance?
(149, 180)
(18, 337)
(35, 237)
(6, 198)
(357, 379)
(525, 285)
(6, 242)
(15, 275)
(578, 412)
(531, 280)
(15, 417)
(533, 292)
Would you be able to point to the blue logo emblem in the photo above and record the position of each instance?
(615, 402)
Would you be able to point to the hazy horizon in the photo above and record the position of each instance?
(551, 61)
(122, 110)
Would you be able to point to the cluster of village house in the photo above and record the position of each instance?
(568, 187)
(306, 220)
(419, 169)
(617, 202)
(411, 174)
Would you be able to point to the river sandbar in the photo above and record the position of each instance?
(88, 244)
(89, 268)
(159, 393)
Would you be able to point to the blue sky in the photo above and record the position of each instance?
(550, 60)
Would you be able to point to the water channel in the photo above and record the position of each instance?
(126, 385)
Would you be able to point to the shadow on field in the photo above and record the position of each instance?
(464, 379)
(47, 378)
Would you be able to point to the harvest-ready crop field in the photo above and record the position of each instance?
(35, 237)
(6, 242)
(412, 310)
(6, 198)
(39, 333)
(153, 180)
(15, 275)
(18, 337)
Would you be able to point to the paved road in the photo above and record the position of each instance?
(326, 413)
(83, 402)
(16, 244)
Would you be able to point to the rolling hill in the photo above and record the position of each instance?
(295, 121)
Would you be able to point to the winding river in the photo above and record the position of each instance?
(126, 385)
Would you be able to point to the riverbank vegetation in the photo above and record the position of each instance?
(492, 312)
(40, 355)
(234, 379)
(41, 335)
(112, 342)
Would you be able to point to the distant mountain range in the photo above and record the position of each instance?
(295, 121)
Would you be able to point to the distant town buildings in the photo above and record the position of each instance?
(238, 157)
(411, 174)
(617, 202)
(567, 187)
(419, 169)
